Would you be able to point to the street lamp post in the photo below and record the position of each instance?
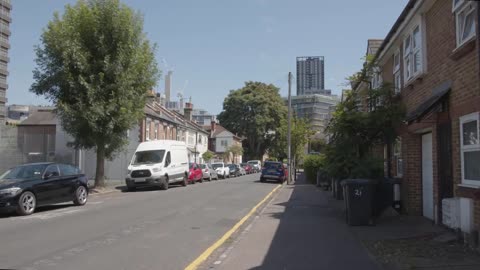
(289, 135)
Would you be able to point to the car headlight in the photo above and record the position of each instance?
(155, 170)
(10, 191)
(129, 172)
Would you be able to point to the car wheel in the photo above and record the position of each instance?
(201, 180)
(210, 178)
(80, 196)
(184, 181)
(131, 189)
(262, 179)
(26, 204)
(164, 185)
(224, 176)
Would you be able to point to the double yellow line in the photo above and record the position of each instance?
(204, 256)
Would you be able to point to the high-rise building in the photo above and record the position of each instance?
(168, 86)
(5, 20)
(311, 76)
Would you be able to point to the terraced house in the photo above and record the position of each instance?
(431, 56)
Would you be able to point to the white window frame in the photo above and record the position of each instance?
(156, 131)
(409, 72)
(459, 9)
(397, 156)
(147, 131)
(469, 148)
(397, 74)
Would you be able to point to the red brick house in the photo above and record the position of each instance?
(431, 56)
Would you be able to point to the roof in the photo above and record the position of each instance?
(160, 114)
(396, 25)
(219, 129)
(373, 46)
(40, 118)
(426, 106)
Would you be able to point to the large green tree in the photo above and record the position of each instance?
(301, 132)
(96, 65)
(254, 112)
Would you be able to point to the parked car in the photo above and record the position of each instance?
(234, 170)
(248, 168)
(158, 163)
(273, 171)
(195, 173)
(221, 169)
(26, 187)
(208, 172)
(242, 170)
(256, 164)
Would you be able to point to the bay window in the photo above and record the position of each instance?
(412, 54)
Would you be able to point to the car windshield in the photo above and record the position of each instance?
(252, 162)
(148, 157)
(244, 164)
(203, 166)
(191, 165)
(34, 171)
(231, 166)
(217, 165)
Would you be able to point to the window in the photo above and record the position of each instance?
(168, 160)
(464, 20)
(470, 148)
(156, 131)
(224, 143)
(51, 171)
(397, 157)
(376, 79)
(147, 131)
(3, 51)
(396, 72)
(412, 54)
(68, 170)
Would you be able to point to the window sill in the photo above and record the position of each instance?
(410, 82)
(468, 191)
(463, 49)
(469, 186)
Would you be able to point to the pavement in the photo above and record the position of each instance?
(147, 229)
(297, 230)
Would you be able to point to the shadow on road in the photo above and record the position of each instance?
(310, 234)
(267, 182)
(41, 209)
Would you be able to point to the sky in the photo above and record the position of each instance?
(214, 46)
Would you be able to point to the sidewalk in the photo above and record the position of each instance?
(297, 230)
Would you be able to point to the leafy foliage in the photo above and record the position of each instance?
(236, 150)
(354, 132)
(96, 65)
(312, 164)
(254, 112)
(207, 156)
(300, 132)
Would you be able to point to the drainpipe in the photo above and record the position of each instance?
(478, 32)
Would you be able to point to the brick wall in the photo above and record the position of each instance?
(444, 61)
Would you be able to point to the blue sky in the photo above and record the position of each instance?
(214, 46)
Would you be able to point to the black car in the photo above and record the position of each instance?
(24, 188)
(234, 170)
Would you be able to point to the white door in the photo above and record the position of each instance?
(427, 176)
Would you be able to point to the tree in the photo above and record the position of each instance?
(207, 156)
(254, 112)
(301, 134)
(96, 66)
(317, 145)
(236, 150)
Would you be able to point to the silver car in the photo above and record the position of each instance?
(208, 172)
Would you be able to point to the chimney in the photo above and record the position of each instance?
(213, 125)
(188, 111)
(168, 85)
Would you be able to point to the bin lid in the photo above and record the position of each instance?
(358, 182)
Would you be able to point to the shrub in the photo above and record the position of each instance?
(312, 164)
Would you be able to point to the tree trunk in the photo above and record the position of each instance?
(100, 170)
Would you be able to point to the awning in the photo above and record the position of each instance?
(426, 106)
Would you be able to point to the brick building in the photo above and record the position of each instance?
(431, 56)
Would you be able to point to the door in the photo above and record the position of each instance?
(427, 176)
(68, 182)
(49, 188)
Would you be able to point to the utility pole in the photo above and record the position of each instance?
(289, 136)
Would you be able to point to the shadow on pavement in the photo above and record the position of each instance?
(267, 182)
(39, 210)
(310, 234)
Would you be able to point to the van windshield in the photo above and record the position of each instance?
(148, 157)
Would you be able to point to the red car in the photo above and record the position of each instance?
(248, 168)
(195, 174)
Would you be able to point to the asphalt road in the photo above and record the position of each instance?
(147, 229)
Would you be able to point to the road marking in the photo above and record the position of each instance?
(204, 256)
(52, 214)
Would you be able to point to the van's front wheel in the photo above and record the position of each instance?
(164, 185)
(184, 181)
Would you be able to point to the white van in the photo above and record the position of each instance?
(158, 163)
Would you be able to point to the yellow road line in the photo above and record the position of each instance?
(204, 256)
